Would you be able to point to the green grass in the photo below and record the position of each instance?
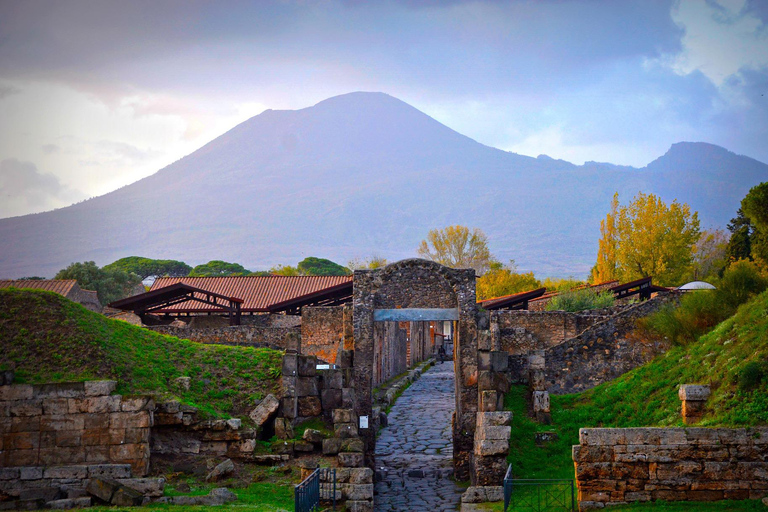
(48, 338)
(662, 506)
(647, 396)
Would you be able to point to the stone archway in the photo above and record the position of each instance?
(419, 289)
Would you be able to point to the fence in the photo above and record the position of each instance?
(317, 487)
(525, 495)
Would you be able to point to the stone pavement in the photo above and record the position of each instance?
(414, 454)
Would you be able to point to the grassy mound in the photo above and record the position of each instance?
(48, 338)
(732, 359)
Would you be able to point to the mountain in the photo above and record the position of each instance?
(362, 174)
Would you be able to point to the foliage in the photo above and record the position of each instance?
(146, 267)
(751, 375)
(215, 268)
(285, 270)
(647, 395)
(650, 238)
(57, 340)
(709, 254)
(503, 280)
(700, 311)
(457, 247)
(606, 267)
(32, 278)
(109, 284)
(313, 266)
(755, 206)
(370, 263)
(740, 243)
(562, 284)
(581, 299)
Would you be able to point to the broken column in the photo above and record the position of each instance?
(694, 398)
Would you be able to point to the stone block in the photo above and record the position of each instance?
(313, 436)
(352, 444)
(283, 447)
(55, 406)
(99, 387)
(331, 446)
(361, 476)
(31, 473)
(66, 504)
(139, 403)
(537, 380)
(350, 459)
(16, 392)
(47, 493)
(345, 430)
(333, 379)
(357, 492)
(25, 424)
(33, 407)
(222, 470)
(288, 407)
(484, 340)
(499, 361)
(283, 428)
(170, 407)
(102, 488)
(498, 418)
(331, 399)
(306, 386)
(303, 446)
(266, 408)
(488, 401)
(306, 366)
(540, 401)
(484, 360)
(62, 422)
(109, 471)
(66, 472)
(487, 448)
(24, 457)
(290, 365)
(309, 406)
(61, 390)
(693, 392)
(493, 381)
(491, 432)
(127, 497)
(344, 416)
(10, 473)
(22, 441)
(359, 506)
(139, 419)
(536, 362)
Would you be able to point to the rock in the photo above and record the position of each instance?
(152, 487)
(69, 503)
(283, 428)
(313, 436)
(102, 488)
(224, 494)
(331, 446)
(125, 497)
(303, 446)
(224, 469)
(234, 423)
(264, 410)
(350, 459)
(183, 383)
(353, 444)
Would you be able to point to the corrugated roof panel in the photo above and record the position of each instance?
(60, 286)
(258, 292)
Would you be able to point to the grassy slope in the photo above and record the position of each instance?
(51, 339)
(647, 396)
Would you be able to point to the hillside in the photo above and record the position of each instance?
(362, 174)
(647, 396)
(48, 338)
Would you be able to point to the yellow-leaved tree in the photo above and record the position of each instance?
(457, 247)
(650, 238)
(605, 268)
(503, 280)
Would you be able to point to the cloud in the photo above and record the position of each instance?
(7, 90)
(24, 189)
(50, 149)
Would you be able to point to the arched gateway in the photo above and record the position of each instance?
(419, 290)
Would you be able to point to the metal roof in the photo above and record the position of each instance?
(513, 301)
(60, 286)
(697, 285)
(260, 294)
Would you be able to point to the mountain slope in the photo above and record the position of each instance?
(354, 175)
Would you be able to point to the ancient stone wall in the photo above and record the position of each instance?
(322, 331)
(73, 424)
(616, 466)
(390, 351)
(242, 335)
(522, 332)
(603, 352)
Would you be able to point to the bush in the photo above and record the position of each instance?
(751, 376)
(580, 300)
(741, 281)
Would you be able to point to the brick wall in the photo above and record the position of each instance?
(673, 464)
(244, 335)
(73, 423)
(322, 331)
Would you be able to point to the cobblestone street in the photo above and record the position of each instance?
(414, 454)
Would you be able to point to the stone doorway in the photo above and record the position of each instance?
(417, 290)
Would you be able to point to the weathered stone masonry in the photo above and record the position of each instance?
(616, 466)
(243, 335)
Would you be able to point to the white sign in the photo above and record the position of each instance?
(363, 421)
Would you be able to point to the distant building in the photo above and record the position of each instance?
(66, 287)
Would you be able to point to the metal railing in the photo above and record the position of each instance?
(538, 495)
(317, 487)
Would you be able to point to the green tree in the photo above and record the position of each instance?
(285, 270)
(740, 244)
(457, 247)
(109, 284)
(216, 268)
(147, 267)
(654, 239)
(313, 266)
(502, 280)
(606, 267)
(755, 208)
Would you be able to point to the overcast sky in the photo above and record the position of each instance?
(95, 95)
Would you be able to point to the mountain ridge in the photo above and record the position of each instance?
(359, 174)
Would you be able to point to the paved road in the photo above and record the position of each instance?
(414, 454)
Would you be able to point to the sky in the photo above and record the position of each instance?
(95, 95)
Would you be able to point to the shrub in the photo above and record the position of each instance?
(751, 376)
(580, 300)
(741, 281)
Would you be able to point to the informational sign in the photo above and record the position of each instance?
(363, 421)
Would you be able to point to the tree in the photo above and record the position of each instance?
(285, 270)
(216, 268)
(110, 284)
(605, 268)
(146, 267)
(740, 244)
(653, 239)
(312, 266)
(709, 254)
(755, 209)
(502, 280)
(457, 247)
(370, 263)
